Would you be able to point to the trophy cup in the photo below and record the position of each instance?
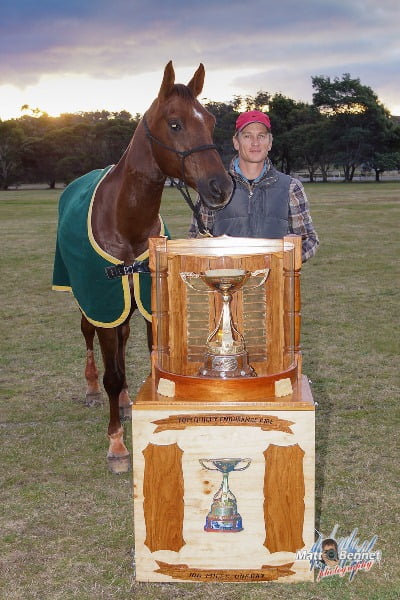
(223, 515)
(226, 354)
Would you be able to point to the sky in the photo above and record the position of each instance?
(85, 55)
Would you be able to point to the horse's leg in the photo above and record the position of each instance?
(93, 394)
(113, 380)
(124, 400)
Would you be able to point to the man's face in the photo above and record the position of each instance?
(329, 554)
(253, 143)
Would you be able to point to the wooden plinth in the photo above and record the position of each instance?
(173, 492)
(244, 389)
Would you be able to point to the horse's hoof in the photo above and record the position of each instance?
(119, 464)
(125, 412)
(93, 399)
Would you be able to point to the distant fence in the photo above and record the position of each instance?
(334, 176)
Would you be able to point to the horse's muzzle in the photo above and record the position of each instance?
(216, 191)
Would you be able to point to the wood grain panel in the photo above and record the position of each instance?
(275, 335)
(284, 498)
(159, 301)
(163, 497)
(292, 291)
(265, 573)
(178, 316)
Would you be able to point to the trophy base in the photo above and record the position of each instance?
(230, 524)
(226, 366)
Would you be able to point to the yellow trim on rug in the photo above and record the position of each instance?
(61, 288)
(136, 293)
(113, 260)
(93, 242)
(119, 321)
(136, 278)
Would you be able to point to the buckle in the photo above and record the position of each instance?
(115, 271)
(139, 266)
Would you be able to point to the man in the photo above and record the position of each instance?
(265, 202)
(330, 553)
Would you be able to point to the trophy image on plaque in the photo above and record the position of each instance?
(223, 515)
(226, 354)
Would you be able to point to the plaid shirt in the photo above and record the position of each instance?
(299, 222)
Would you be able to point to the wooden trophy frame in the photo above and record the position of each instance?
(182, 421)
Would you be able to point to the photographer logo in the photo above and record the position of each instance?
(341, 556)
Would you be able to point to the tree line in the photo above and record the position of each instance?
(344, 128)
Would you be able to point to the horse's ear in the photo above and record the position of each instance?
(167, 82)
(195, 85)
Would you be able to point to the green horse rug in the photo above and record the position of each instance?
(98, 281)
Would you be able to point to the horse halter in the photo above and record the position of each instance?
(181, 185)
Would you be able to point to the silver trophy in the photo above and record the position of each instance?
(223, 515)
(226, 354)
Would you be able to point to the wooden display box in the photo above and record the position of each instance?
(188, 429)
(173, 492)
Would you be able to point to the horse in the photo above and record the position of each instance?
(173, 139)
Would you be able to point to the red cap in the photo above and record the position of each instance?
(252, 116)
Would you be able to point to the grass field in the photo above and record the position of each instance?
(66, 523)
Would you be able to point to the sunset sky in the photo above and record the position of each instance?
(86, 55)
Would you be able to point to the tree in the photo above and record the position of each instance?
(225, 115)
(112, 138)
(286, 115)
(66, 147)
(11, 139)
(311, 144)
(345, 125)
(380, 162)
(360, 125)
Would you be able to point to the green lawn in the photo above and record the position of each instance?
(66, 522)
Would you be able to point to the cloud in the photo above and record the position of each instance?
(273, 46)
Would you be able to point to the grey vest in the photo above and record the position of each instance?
(262, 214)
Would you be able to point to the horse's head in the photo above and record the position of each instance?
(180, 130)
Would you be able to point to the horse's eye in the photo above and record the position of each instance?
(175, 126)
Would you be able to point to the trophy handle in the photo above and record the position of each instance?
(247, 460)
(258, 272)
(185, 276)
(203, 460)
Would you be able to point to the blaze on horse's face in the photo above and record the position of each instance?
(182, 124)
